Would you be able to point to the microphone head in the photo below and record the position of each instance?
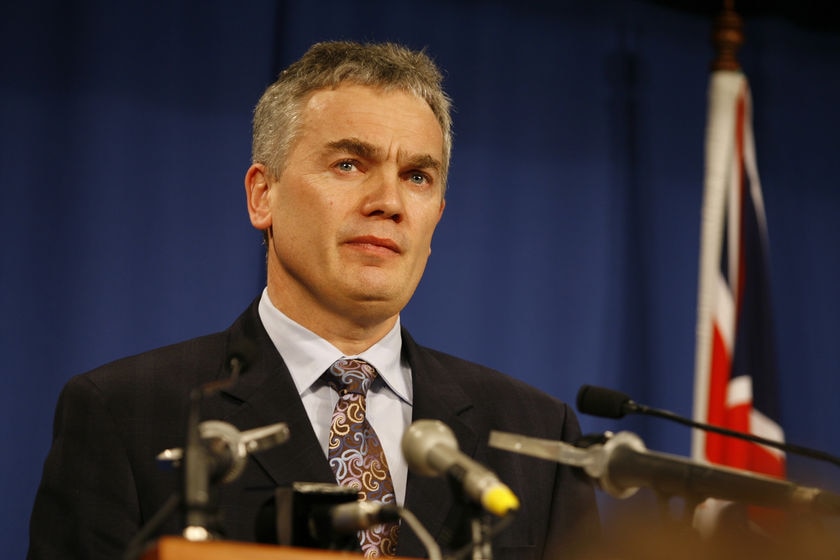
(241, 353)
(420, 438)
(228, 456)
(606, 403)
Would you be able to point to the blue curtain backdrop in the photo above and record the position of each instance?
(568, 252)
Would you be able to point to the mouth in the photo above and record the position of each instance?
(373, 243)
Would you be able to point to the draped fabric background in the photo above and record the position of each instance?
(568, 251)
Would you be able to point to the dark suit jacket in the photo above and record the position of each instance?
(101, 482)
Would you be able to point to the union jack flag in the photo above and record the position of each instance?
(735, 363)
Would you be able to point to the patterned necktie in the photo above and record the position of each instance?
(355, 453)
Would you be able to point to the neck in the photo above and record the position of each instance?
(350, 333)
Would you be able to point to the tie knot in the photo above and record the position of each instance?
(351, 376)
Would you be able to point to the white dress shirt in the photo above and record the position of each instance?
(389, 399)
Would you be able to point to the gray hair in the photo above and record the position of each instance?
(327, 65)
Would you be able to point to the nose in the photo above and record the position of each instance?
(383, 195)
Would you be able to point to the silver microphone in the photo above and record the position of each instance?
(228, 447)
(430, 449)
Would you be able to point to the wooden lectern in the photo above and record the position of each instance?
(176, 548)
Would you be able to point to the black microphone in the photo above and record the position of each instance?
(430, 449)
(356, 516)
(609, 403)
(324, 515)
(606, 403)
(318, 515)
(241, 352)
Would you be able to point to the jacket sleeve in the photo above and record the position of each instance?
(86, 506)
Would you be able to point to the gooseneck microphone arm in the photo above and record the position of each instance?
(199, 522)
(196, 477)
(623, 464)
(193, 458)
(609, 403)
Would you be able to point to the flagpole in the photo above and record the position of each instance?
(727, 37)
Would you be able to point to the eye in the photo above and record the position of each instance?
(418, 178)
(347, 165)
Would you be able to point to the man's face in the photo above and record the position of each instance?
(354, 210)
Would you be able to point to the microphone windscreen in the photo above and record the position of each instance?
(598, 401)
(426, 445)
(243, 350)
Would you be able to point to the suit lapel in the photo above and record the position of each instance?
(436, 396)
(265, 394)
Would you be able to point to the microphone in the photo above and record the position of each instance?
(328, 516)
(606, 403)
(357, 516)
(227, 448)
(240, 354)
(623, 464)
(430, 449)
(198, 461)
(609, 403)
(213, 451)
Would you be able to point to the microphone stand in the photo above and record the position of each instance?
(214, 452)
(483, 528)
(469, 517)
(480, 532)
(199, 524)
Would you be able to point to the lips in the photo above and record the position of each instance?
(380, 242)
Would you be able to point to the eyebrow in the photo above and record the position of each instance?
(367, 150)
(424, 161)
(356, 147)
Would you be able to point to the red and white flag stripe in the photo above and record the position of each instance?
(730, 360)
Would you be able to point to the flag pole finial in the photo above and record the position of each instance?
(727, 38)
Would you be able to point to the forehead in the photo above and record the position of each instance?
(375, 115)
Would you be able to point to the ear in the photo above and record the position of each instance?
(257, 193)
(440, 215)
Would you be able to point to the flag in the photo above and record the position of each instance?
(735, 365)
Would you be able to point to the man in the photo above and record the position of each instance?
(350, 156)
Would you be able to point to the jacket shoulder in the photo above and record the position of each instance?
(502, 400)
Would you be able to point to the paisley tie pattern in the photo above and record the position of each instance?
(355, 453)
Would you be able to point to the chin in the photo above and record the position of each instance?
(379, 304)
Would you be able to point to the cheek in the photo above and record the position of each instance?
(430, 226)
(298, 206)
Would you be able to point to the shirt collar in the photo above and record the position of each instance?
(308, 356)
